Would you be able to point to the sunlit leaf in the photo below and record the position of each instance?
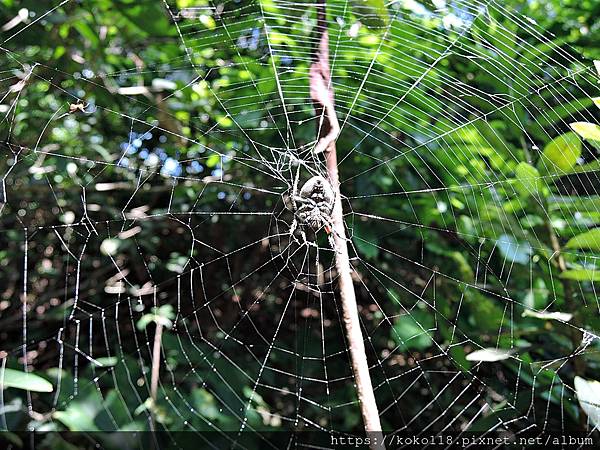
(373, 13)
(84, 29)
(23, 380)
(589, 131)
(528, 180)
(589, 240)
(581, 275)
(107, 361)
(588, 395)
(561, 317)
(489, 355)
(562, 152)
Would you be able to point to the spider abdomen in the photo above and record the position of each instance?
(315, 202)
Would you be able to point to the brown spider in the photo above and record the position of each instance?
(312, 207)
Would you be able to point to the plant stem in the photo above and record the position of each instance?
(156, 361)
(350, 311)
(575, 334)
(322, 95)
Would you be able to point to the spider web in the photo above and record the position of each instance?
(254, 338)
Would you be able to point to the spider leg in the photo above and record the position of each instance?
(305, 200)
(306, 241)
(333, 230)
(303, 234)
(328, 225)
(294, 195)
(292, 231)
(332, 243)
(293, 226)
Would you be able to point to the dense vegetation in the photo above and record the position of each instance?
(136, 139)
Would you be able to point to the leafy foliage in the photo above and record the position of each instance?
(510, 185)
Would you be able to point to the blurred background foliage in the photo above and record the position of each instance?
(473, 207)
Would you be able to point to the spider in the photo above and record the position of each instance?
(75, 107)
(312, 207)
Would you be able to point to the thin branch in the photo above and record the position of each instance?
(323, 99)
(575, 334)
(156, 361)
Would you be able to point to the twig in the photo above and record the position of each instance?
(328, 129)
(575, 334)
(156, 361)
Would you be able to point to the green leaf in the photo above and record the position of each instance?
(528, 181)
(84, 29)
(85, 411)
(77, 417)
(581, 275)
(24, 380)
(589, 240)
(107, 361)
(411, 330)
(536, 298)
(149, 19)
(589, 131)
(372, 13)
(586, 130)
(489, 355)
(459, 356)
(531, 221)
(213, 160)
(563, 151)
(144, 321)
(163, 315)
(205, 403)
(573, 204)
(588, 395)
(564, 111)
(592, 166)
(561, 317)
(13, 438)
(177, 263)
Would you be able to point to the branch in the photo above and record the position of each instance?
(321, 93)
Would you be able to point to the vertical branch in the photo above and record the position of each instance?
(322, 96)
(321, 91)
(575, 334)
(155, 371)
(156, 361)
